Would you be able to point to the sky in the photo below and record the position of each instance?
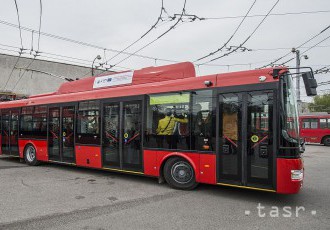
(114, 25)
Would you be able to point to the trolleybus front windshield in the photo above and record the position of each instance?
(291, 126)
(289, 119)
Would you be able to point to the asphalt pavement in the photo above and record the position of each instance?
(63, 197)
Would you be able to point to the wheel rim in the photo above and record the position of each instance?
(182, 172)
(30, 153)
(327, 141)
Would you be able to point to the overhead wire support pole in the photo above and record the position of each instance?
(297, 52)
(300, 46)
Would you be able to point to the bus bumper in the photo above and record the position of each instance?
(290, 175)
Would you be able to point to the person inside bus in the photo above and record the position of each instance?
(166, 127)
(201, 126)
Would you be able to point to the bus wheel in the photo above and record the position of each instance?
(326, 141)
(30, 155)
(179, 174)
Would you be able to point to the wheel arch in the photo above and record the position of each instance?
(180, 155)
(26, 145)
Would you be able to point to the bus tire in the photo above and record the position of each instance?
(326, 140)
(179, 174)
(30, 155)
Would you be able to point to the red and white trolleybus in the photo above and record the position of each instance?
(227, 129)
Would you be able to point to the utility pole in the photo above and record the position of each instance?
(297, 52)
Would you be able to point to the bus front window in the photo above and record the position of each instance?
(289, 116)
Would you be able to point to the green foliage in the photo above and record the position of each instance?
(321, 103)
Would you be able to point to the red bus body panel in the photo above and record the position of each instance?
(284, 182)
(207, 164)
(41, 147)
(204, 164)
(88, 156)
(151, 167)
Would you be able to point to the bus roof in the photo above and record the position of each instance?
(315, 115)
(175, 77)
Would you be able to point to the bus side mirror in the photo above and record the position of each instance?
(310, 83)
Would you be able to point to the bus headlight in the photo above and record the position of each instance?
(297, 175)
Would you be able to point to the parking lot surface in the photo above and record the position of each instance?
(63, 197)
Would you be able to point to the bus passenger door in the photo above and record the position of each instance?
(10, 132)
(61, 134)
(68, 134)
(110, 140)
(132, 128)
(230, 151)
(5, 132)
(121, 136)
(54, 134)
(245, 152)
(14, 133)
(260, 138)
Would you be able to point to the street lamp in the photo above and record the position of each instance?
(97, 57)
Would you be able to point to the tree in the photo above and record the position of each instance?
(321, 103)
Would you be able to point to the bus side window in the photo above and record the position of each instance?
(323, 123)
(203, 121)
(168, 121)
(314, 123)
(306, 124)
(88, 122)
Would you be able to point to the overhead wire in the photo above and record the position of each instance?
(231, 37)
(21, 49)
(64, 58)
(160, 36)
(143, 56)
(159, 19)
(248, 38)
(312, 38)
(262, 15)
(21, 75)
(322, 70)
(84, 43)
(19, 24)
(307, 49)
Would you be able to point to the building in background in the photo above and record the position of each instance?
(36, 78)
